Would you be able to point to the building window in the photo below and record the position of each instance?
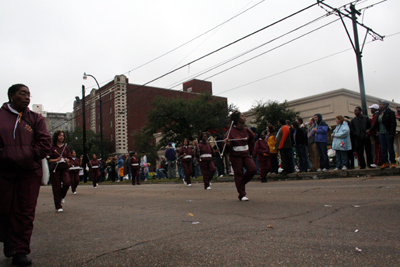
(110, 110)
(111, 138)
(110, 124)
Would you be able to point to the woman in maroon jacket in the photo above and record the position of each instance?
(95, 165)
(24, 142)
(261, 152)
(238, 139)
(59, 166)
(134, 163)
(204, 153)
(186, 157)
(74, 164)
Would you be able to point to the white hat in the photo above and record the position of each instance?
(374, 106)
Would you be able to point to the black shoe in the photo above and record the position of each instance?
(8, 253)
(20, 259)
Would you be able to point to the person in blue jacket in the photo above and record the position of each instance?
(341, 143)
(120, 164)
(321, 140)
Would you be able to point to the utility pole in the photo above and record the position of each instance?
(85, 175)
(356, 46)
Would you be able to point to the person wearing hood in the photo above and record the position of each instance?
(120, 164)
(341, 143)
(386, 125)
(24, 142)
(321, 140)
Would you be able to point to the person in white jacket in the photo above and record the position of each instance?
(341, 143)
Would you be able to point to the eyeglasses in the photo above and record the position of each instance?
(23, 93)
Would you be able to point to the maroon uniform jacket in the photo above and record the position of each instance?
(74, 163)
(240, 148)
(134, 163)
(24, 141)
(204, 151)
(95, 165)
(260, 148)
(54, 155)
(189, 154)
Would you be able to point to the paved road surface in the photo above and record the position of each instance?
(314, 223)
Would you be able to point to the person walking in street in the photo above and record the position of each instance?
(135, 168)
(186, 156)
(74, 167)
(58, 165)
(239, 140)
(341, 143)
(24, 142)
(263, 155)
(386, 124)
(170, 155)
(95, 170)
(359, 126)
(204, 153)
(321, 140)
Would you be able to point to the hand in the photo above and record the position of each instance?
(315, 130)
(67, 160)
(59, 158)
(333, 135)
(227, 142)
(367, 131)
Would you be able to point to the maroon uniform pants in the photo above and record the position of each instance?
(187, 170)
(74, 178)
(207, 170)
(95, 177)
(241, 179)
(265, 166)
(135, 175)
(18, 199)
(59, 191)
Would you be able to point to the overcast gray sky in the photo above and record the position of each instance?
(48, 45)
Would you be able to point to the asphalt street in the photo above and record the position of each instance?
(329, 222)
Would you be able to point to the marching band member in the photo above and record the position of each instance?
(239, 153)
(59, 160)
(74, 168)
(135, 168)
(185, 155)
(204, 153)
(24, 141)
(95, 165)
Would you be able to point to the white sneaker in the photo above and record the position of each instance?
(75, 193)
(344, 168)
(62, 200)
(118, 181)
(221, 175)
(319, 170)
(60, 210)
(373, 166)
(189, 185)
(336, 169)
(324, 169)
(95, 187)
(209, 188)
(244, 199)
(184, 181)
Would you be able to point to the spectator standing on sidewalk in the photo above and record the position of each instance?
(312, 147)
(321, 140)
(386, 124)
(341, 143)
(359, 126)
(170, 155)
(375, 135)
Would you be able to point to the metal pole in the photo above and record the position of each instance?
(101, 117)
(354, 12)
(84, 135)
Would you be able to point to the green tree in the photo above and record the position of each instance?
(75, 142)
(270, 112)
(180, 118)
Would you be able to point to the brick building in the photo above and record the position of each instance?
(125, 107)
